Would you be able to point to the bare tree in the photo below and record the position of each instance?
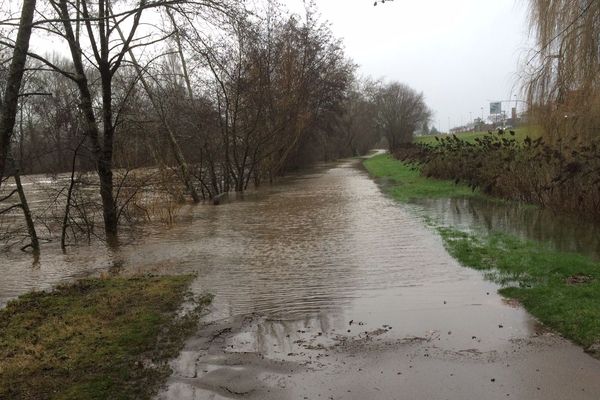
(278, 90)
(358, 122)
(89, 28)
(400, 112)
(157, 106)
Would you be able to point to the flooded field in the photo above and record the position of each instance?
(325, 288)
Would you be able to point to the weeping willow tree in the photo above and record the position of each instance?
(563, 83)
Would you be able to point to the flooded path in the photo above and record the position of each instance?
(327, 289)
(330, 290)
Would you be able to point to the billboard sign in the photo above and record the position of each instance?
(496, 108)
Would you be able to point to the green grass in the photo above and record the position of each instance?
(94, 339)
(405, 183)
(520, 134)
(539, 277)
(531, 272)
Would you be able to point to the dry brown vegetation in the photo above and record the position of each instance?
(563, 73)
(564, 176)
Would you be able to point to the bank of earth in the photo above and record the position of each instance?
(103, 338)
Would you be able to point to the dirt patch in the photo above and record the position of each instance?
(594, 350)
(513, 303)
(579, 279)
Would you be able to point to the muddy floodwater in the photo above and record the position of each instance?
(327, 289)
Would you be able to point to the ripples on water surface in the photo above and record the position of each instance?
(308, 244)
(312, 243)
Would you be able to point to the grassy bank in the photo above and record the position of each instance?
(562, 176)
(404, 183)
(561, 289)
(95, 339)
(520, 135)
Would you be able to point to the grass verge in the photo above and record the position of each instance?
(561, 289)
(521, 133)
(95, 339)
(404, 183)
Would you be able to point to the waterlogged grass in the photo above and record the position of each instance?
(561, 289)
(95, 339)
(404, 183)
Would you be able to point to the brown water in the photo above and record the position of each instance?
(325, 288)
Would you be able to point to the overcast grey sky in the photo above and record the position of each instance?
(460, 53)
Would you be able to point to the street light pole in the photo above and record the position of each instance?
(482, 123)
(516, 113)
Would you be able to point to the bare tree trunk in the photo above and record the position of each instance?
(35, 244)
(102, 152)
(65, 224)
(8, 105)
(106, 155)
(186, 76)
